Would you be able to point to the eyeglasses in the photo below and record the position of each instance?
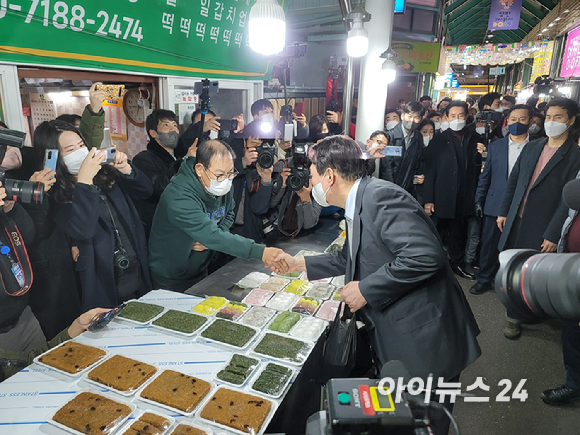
(230, 175)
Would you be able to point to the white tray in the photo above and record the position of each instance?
(220, 381)
(50, 417)
(220, 343)
(184, 334)
(255, 305)
(306, 314)
(258, 277)
(136, 322)
(290, 305)
(293, 372)
(212, 388)
(304, 357)
(207, 315)
(122, 393)
(267, 320)
(207, 430)
(140, 414)
(264, 426)
(267, 327)
(330, 291)
(338, 281)
(72, 375)
(303, 320)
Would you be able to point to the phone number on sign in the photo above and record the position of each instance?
(61, 16)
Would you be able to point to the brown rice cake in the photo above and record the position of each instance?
(72, 357)
(184, 429)
(122, 373)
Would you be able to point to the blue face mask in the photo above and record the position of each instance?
(518, 128)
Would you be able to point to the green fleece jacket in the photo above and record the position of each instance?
(186, 214)
(92, 127)
(12, 362)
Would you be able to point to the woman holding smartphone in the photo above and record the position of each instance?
(92, 204)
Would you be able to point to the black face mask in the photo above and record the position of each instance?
(321, 136)
(410, 126)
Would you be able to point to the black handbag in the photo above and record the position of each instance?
(15, 269)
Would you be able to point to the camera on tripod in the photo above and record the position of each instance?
(27, 192)
(299, 165)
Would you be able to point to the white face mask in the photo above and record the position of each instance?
(480, 130)
(500, 109)
(457, 124)
(444, 125)
(437, 125)
(75, 159)
(213, 134)
(218, 188)
(320, 195)
(534, 129)
(426, 140)
(555, 129)
(391, 124)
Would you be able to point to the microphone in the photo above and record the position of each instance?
(571, 194)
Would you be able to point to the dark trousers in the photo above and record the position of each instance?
(488, 255)
(571, 351)
(456, 238)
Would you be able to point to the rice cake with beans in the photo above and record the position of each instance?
(72, 357)
(122, 373)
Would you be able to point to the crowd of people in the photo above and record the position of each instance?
(469, 179)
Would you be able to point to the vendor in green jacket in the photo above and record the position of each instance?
(193, 220)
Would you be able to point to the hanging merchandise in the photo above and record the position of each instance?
(493, 54)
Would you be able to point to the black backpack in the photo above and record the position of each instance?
(15, 269)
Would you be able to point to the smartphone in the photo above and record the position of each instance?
(103, 319)
(392, 151)
(299, 108)
(113, 92)
(110, 154)
(228, 124)
(51, 159)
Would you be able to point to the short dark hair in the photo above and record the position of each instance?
(315, 124)
(522, 107)
(425, 98)
(488, 99)
(198, 112)
(261, 105)
(340, 153)
(401, 100)
(426, 122)
(433, 114)
(456, 103)
(414, 107)
(391, 111)
(446, 99)
(157, 115)
(254, 130)
(542, 106)
(470, 100)
(70, 118)
(539, 115)
(510, 98)
(212, 148)
(570, 106)
(376, 133)
(3, 125)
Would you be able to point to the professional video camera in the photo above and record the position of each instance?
(266, 155)
(299, 164)
(27, 192)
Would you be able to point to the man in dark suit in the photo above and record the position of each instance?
(501, 158)
(532, 212)
(398, 279)
(452, 168)
(407, 142)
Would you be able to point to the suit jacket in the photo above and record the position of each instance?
(493, 179)
(416, 311)
(450, 184)
(400, 170)
(544, 212)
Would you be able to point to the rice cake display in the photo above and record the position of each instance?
(72, 357)
(284, 348)
(210, 305)
(92, 413)
(180, 321)
(122, 373)
(237, 370)
(177, 390)
(140, 312)
(240, 411)
(273, 380)
(275, 283)
(148, 423)
(229, 333)
(186, 429)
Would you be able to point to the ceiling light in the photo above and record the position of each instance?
(389, 67)
(267, 27)
(357, 42)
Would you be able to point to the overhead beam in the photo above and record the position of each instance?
(538, 14)
(459, 4)
(459, 21)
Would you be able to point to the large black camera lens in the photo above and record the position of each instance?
(26, 192)
(298, 178)
(266, 155)
(535, 286)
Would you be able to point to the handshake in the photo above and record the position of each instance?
(280, 263)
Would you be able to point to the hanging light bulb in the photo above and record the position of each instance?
(357, 43)
(389, 66)
(267, 27)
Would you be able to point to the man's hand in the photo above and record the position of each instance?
(481, 148)
(74, 251)
(419, 180)
(250, 156)
(284, 145)
(81, 323)
(429, 208)
(211, 124)
(376, 152)
(96, 97)
(548, 247)
(285, 174)
(333, 117)
(265, 174)
(90, 166)
(192, 150)
(293, 264)
(46, 177)
(198, 247)
(501, 222)
(300, 119)
(304, 193)
(241, 124)
(275, 259)
(478, 210)
(121, 163)
(352, 296)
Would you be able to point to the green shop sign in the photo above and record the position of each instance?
(162, 37)
(419, 57)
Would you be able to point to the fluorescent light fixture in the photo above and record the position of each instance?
(357, 43)
(267, 27)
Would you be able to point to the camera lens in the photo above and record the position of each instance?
(266, 159)
(297, 179)
(26, 192)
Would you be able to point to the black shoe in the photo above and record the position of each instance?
(479, 288)
(512, 330)
(470, 269)
(459, 271)
(560, 396)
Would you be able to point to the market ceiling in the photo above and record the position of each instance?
(466, 21)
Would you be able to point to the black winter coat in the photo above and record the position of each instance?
(544, 212)
(450, 184)
(82, 221)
